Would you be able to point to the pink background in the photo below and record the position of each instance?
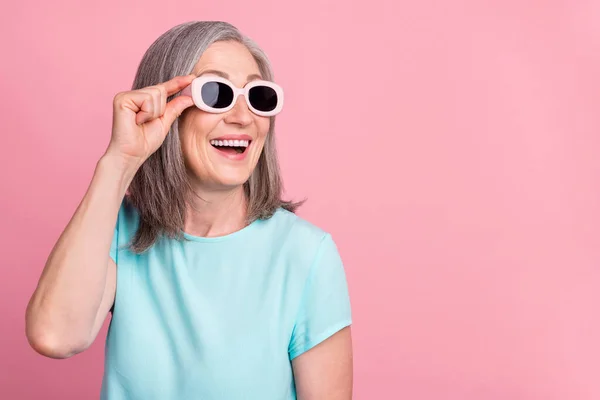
(451, 148)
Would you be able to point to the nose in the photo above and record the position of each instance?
(240, 114)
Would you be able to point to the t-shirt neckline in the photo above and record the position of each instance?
(228, 236)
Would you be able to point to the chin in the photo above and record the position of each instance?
(231, 180)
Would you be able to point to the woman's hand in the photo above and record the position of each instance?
(142, 118)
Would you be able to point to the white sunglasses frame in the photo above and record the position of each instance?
(194, 90)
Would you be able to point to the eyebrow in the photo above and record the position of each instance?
(226, 76)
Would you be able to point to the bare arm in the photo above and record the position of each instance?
(325, 371)
(77, 286)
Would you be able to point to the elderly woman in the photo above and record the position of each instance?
(217, 289)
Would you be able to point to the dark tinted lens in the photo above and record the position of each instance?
(263, 98)
(217, 94)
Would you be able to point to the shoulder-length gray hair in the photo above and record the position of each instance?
(160, 189)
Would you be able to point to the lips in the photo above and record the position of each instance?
(233, 148)
(238, 146)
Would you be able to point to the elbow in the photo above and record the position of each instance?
(52, 347)
(51, 342)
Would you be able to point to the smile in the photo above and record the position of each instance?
(234, 149)
(237, 145)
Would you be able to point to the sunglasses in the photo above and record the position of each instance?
(214, 94)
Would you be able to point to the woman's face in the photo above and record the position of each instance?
(218, 167)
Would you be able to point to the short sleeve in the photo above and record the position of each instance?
(325, 303)
(115, 239)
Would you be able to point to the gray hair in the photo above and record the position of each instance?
(160, 189)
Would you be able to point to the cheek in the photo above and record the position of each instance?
(196, 130)
(262, 125)
(262, 129)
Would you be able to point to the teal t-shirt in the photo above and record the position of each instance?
(222, 317)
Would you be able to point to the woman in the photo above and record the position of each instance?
(217, 289)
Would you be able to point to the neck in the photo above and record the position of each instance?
(212, 213)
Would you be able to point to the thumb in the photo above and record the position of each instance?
(174, 109)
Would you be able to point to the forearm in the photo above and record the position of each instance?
(65, 304)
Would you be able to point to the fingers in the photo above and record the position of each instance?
(151, 102)
(170, 111)
(174, 109)
(177, 84)
(158, 99)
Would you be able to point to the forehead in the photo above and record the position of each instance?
(232, 58)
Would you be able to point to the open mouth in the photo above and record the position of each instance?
(231, 146)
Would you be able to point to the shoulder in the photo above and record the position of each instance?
(294, 227)
(296, 237)
(128, 219)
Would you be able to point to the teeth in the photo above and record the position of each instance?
(230, 143)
